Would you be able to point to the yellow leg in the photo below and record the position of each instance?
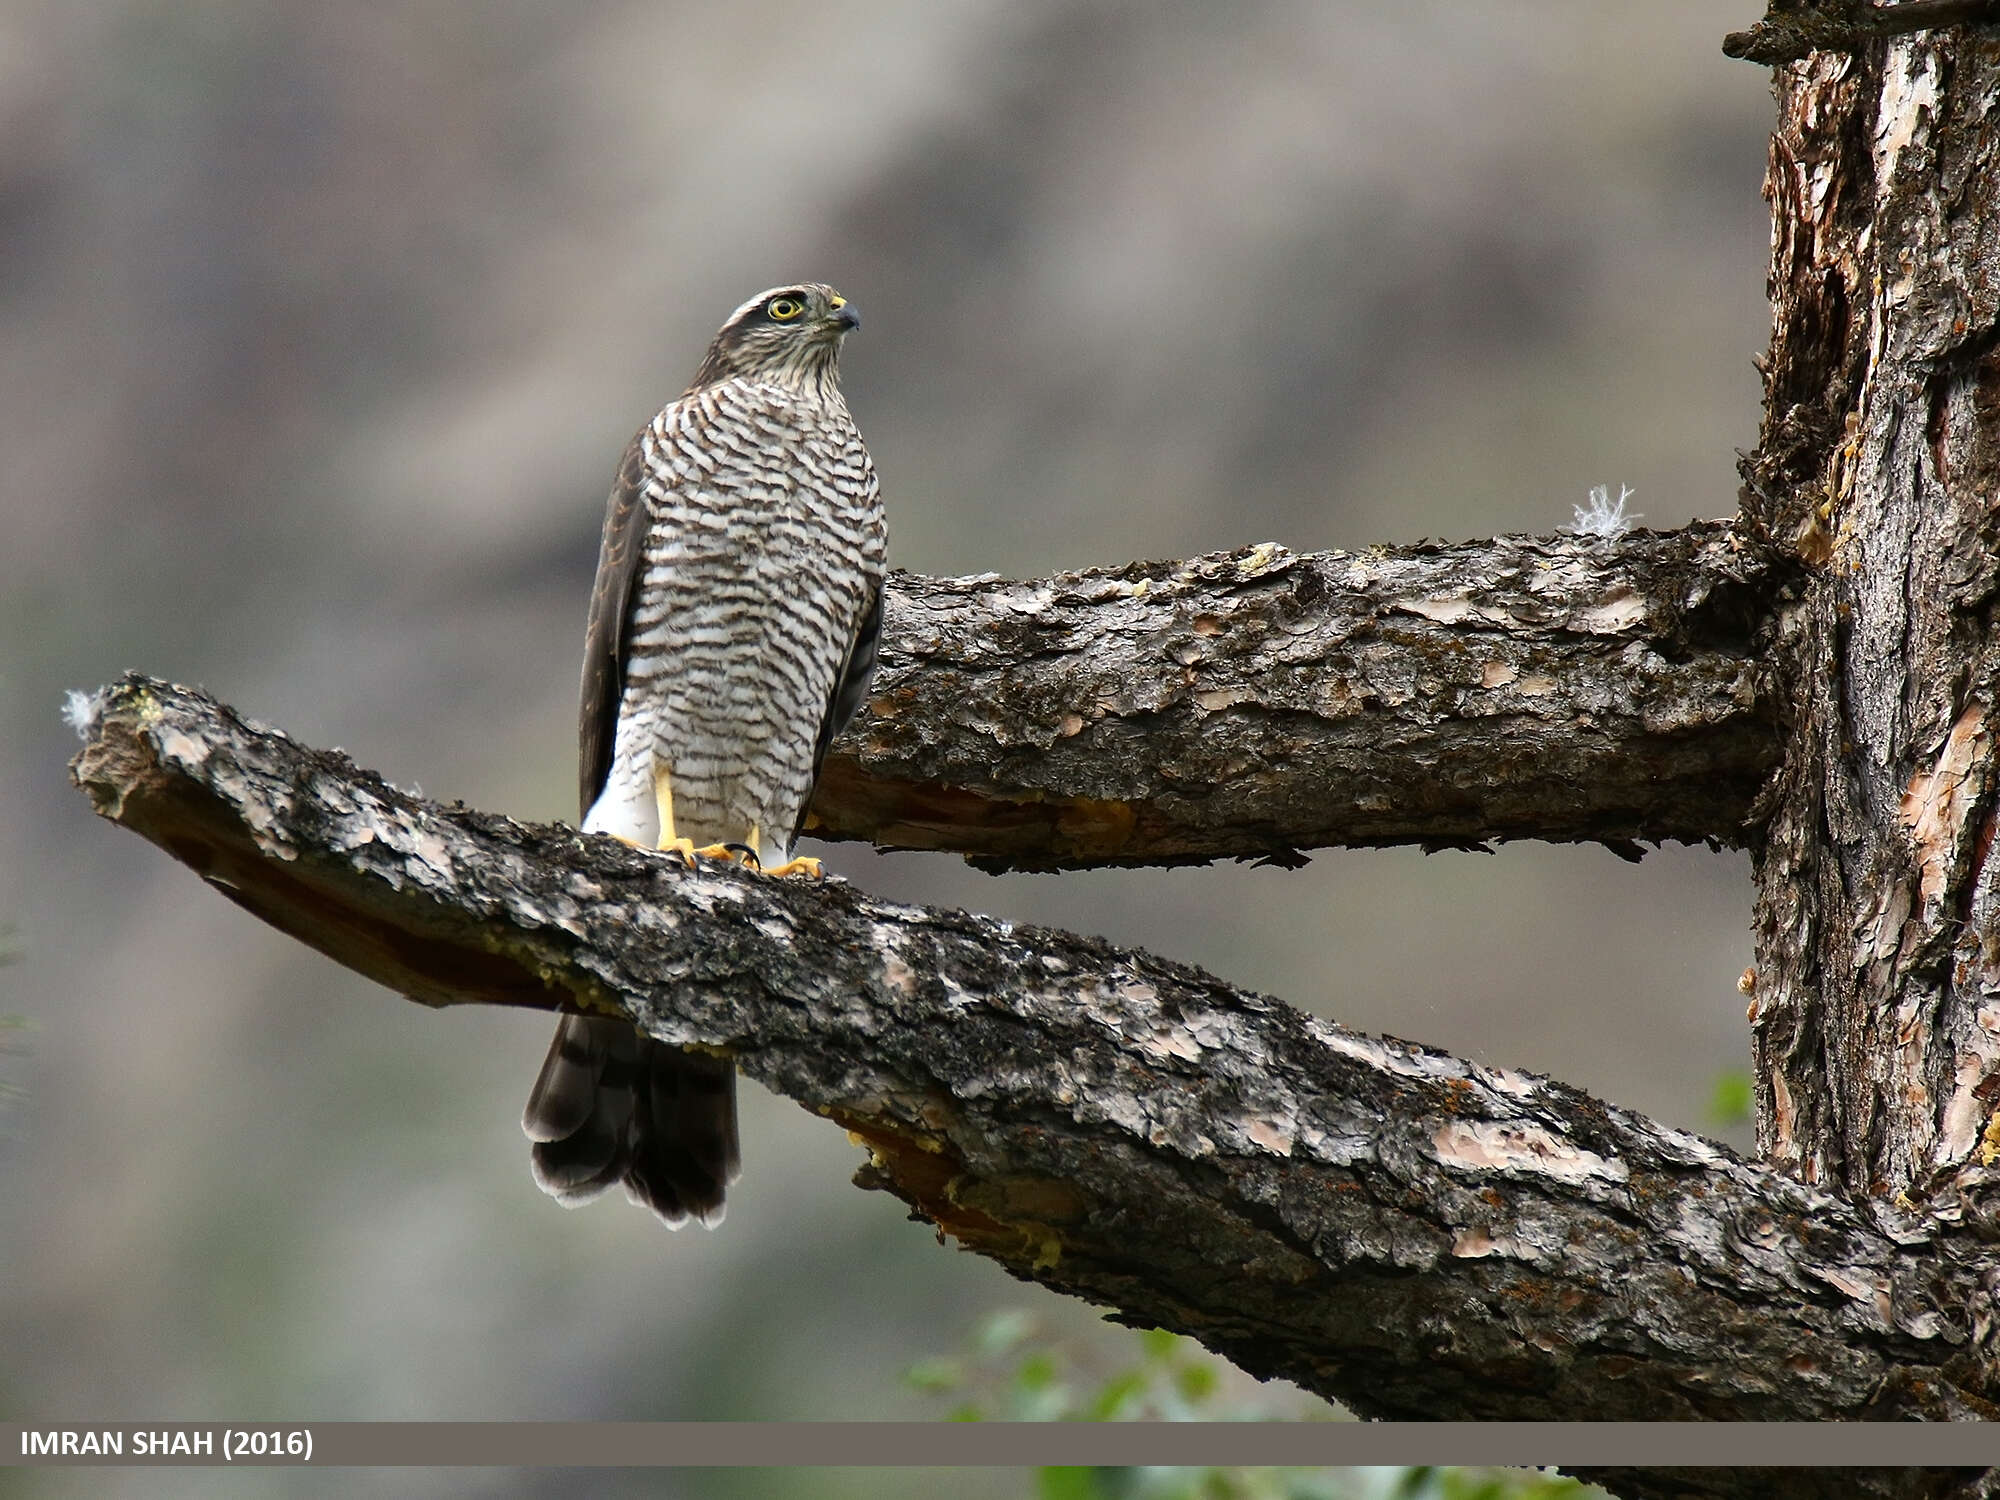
(663, 798)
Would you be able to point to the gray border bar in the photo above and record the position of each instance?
(1001, 1444)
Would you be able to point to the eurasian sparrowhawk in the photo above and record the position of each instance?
(732, 632)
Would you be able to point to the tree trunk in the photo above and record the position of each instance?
(1876, 1021)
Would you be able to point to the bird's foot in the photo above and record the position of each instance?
(683, 847)
(805, 864)
(736, 854)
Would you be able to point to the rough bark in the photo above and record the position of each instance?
(1876, 1020)
(1257, 703)
(1793, 30)
(1415, 1235)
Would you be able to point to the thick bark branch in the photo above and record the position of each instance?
(1793, 30)
(1412, 1234)
(1257, 703)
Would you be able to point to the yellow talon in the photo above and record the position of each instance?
(741, 854)
(804, 865)
(663, 798)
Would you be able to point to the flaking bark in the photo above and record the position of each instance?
(1793, 29)
(1878, 913)
(1415, 1235)
(1258, 703)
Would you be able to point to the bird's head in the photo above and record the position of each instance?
(790, 334)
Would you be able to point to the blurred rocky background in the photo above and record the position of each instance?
(321, 330)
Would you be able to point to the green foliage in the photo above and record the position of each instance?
(1007, 1373)
(1491, 1485)
(1731, 1100)
(1305, 1484)
(1058, 1482)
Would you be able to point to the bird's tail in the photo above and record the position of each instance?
(612, 1105)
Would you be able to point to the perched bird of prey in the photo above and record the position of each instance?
(732, 633)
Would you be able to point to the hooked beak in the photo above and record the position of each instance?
(845, 318)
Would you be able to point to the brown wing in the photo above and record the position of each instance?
(850, 691)
(606, 645)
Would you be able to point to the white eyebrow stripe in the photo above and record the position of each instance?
(802, 293)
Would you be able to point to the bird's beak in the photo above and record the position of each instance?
(845, 317)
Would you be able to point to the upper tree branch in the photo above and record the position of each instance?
(1255, 703)
(1416, 1235)
(1791, 30)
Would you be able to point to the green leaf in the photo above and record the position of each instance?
(1196, 1382)
(1118, 1393)
(1158, 1343)
(935, 1376)
(1037, 1371)
(1064, 1483)
(1732, 1099)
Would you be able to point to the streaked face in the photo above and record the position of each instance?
(788, 333)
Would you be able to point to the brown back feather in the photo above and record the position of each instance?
(607, 640)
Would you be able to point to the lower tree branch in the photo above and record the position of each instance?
(1412, 1234)
(1255, 703)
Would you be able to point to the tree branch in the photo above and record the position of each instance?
(1256, 703)
(1791, 31)
(1415, 1235)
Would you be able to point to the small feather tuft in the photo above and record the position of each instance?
(82, 710)
(1601, 517)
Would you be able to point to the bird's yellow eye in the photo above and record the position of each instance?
(784, 309)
